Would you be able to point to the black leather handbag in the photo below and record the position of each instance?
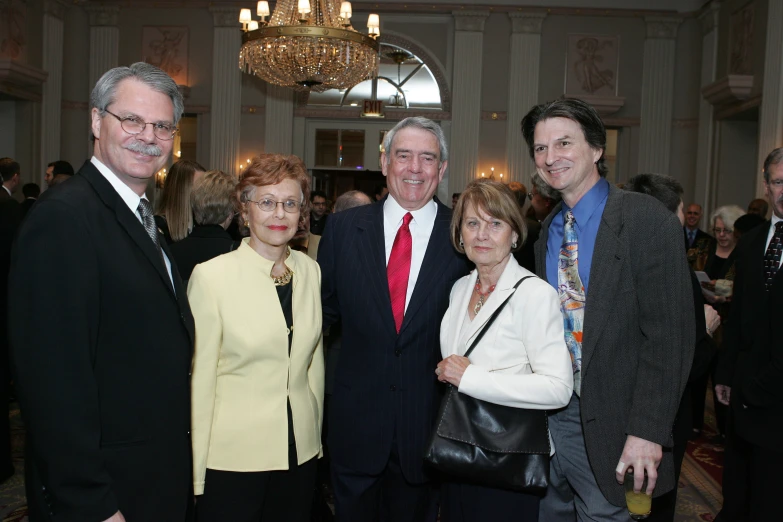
(489, 444)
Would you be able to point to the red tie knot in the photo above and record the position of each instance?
(406, 219)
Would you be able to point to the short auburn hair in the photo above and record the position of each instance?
(494, 198)
(271, 169)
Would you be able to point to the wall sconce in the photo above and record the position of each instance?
(160, 178)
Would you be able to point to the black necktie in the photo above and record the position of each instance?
(772, 257)
(145, 211)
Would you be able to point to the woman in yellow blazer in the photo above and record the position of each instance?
(258, 370)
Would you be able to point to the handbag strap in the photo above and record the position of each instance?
(493, 317)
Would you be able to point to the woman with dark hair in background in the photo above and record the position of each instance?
(173, 215)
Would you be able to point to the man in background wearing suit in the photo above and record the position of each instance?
(30, 191)
(693, 234)
(104, 385)
(387, 269)
(750, 374)
(617, 260)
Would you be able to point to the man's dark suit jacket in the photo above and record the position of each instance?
(700, 236)
(526, 255)
(25, 207)
(204, 243)
(638, 340)
(385, 384)
(103, 383)
(753, 361)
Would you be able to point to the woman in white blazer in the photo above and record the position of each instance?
(258, 370)
(522, 360)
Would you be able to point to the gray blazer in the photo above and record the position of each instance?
(638, 333)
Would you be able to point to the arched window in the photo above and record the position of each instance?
(404, 81)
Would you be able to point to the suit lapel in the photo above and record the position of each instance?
(540, 246)
(433, 266)
(372, 249)
(608, 256)
(127, 220)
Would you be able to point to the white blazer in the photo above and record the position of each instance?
(522, 360)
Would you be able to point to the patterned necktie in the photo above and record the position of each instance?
(572, 297)
(399, 268)
(691, 237)
(145, 211)
(772, 257)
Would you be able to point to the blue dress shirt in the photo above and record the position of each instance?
(587, 212)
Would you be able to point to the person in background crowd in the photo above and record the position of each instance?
(745, 224)
(522, 362)
(542, 199)
(57, 172)
(212, 201)
(351, 199)
(631, 344)
(30, 191)
(380, 191)
(750, 374)
(698, 243)
(668, 191)
(387, 270)
(104, 385)
(759, 207)
(174, 216)
(318, 213)
(525, 255)
(454, 198)
(718, 264)
(10, 216)
(257, 385)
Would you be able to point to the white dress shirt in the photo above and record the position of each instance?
(131, 199)
(771, 233)
(6, 189)
(421, 228)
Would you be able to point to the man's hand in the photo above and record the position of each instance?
(724, 393)
(117, 517)
(643, 456)
(451, 369)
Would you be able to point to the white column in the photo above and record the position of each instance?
(704, 184)
(51, 103)
(657, 94)
(226, 107)
(771, 124)
(522, 89)
(104, 40)
(279, 120)
(466, 98)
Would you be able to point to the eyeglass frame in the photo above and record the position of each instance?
(258, 205)
(122, 121)
(718, 231)
(776, 184)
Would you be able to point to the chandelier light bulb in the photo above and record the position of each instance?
(304, 6)
(263, 8)
(345, 10)
(244, 16)
(252, 26)
(373, 22)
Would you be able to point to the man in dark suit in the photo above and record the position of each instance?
(751, 372)
(30, 191)
(617, 259)
(318, 214)
(387, 270)
(10, 215)
(104, 387)
(693, 234)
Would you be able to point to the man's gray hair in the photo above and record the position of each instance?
(773, 158)
(106, 88)
(351, 199)
(419, 123)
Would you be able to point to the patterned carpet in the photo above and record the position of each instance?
(699, 498)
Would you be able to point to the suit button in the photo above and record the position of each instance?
(393, 388)
(397, 353)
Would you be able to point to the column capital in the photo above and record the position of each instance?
(709, 18)
(225, 16)
(55, 8)
(529, 23)
(470, 20)
(662, 27)
(103, 15)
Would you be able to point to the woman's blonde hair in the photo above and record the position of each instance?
(174, 203)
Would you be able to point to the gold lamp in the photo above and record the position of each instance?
(309, 45)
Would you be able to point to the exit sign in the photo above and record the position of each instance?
(372, 109)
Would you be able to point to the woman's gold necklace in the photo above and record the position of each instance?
(482, 297)
(286, 277)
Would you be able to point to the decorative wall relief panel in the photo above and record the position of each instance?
(13, 30)
(741, 40)
(167, 47)
(592, 63)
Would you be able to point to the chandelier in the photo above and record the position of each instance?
(308, 46)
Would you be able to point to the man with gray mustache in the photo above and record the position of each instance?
(104, 388)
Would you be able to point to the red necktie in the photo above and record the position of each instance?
(399, 268)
